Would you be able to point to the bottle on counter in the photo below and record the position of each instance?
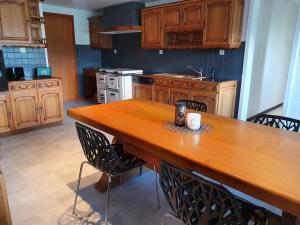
(180, 108)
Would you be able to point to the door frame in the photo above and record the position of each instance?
(45, 13)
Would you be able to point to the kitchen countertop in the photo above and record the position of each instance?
(180, 77)
(33, 79)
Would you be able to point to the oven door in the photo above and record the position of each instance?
(113, 82)
(112, 96)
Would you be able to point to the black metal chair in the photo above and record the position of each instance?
(281, 122)
(198, 201)
(195, 105)
(108, 158)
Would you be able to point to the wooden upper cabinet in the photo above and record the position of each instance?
(181, 15)
(25, 109)
(171, 16)
(14, 22)
(97, 40)
(192, 13)
(223, 23)
(51, 105)
(152, 28)
(193, 24)
(6, 123)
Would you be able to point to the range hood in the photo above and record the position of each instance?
(123, 18)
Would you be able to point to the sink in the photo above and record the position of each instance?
(200, 78)
(186, 76)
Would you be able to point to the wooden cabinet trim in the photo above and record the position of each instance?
(21, 85)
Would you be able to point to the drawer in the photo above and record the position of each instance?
(204, 86)
(18, 86)
(48, 84)
(179, 84)
(161, 82)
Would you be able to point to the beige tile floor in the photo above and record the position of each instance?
(41, 169)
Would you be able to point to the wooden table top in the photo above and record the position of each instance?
(258, 160)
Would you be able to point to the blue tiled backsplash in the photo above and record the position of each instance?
(132, 55)
(34, 57)
(86, 57)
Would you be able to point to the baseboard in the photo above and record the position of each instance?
(265, 111)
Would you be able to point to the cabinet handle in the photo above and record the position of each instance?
(49, 84)
(41, 109)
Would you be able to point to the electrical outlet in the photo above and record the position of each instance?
(222, 52)
(161, 52)
(115, 51)
(23, 50)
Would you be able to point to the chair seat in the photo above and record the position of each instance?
(129, 161)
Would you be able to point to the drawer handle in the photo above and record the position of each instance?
(49, 84)
(23, 87)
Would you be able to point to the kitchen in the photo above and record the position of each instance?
(158, 51)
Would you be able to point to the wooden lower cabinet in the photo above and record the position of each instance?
(6, 123)
(210, 99)
(51, 106)
(143, 91)
(30, 104)
(5, 218)
(25, 109)
(161, 94)
(178, 94)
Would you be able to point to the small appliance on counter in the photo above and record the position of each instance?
(43, 72)
(3, 78)
(115, 84)
(15, 73)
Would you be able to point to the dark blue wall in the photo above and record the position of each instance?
(86, 57)
(131, 55)
(34, 57)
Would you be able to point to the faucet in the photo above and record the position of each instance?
(196, 69)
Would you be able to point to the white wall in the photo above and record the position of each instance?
(272, 53)
(291, 106)
(80, 21)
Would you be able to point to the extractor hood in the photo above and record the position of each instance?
(123, 18)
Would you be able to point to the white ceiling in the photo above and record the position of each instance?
(88, 4)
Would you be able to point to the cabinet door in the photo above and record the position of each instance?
(161, 94)
(210, 99)
(178, 94)
(217, 22)
(103, 41)
(51, 106)
(142, 91)
(171, 16)
(193, 13)
(25, 109)
(151, 28)
(14, 21)
(5, 114)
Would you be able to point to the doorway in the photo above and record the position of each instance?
(60, 35)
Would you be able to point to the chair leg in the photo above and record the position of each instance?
(156, 186)
(107, 199)
(164, 218)
(78, 185)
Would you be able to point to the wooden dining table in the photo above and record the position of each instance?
(261, 161)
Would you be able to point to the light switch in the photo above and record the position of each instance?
(161, 52)
(115, 51)
(222, 52)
